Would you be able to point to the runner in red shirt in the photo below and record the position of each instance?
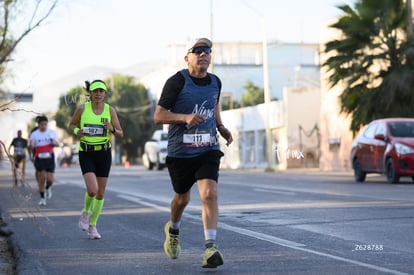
(41, 143)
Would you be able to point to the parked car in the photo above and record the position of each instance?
(386, 146)
(68, 154)
(155, 150)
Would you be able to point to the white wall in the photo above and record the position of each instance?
(334, 125)
(248, 125)
(303, 107)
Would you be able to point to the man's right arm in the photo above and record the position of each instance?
(10, 146)
(170, 92)
(164, 116)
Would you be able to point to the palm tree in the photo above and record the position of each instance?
(373, 61)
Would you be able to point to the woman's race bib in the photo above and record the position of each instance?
(94, 130)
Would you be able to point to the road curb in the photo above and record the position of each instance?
(24, 264)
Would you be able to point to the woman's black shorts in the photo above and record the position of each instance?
(97, 162)
(184, 172)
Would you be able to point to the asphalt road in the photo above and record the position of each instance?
(296, 222)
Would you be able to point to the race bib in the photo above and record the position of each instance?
(94, 130)
(45, 155)
(19, 151)
(197, 138)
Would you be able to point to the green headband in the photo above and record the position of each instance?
(97, 85)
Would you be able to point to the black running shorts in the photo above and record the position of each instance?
(47, 165)
(97, 162)
(18, 159)
(184, 172)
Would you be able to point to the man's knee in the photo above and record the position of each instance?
(209, 195)
(182, 199)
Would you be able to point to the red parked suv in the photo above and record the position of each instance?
(386, 146)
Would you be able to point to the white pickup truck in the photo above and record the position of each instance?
(155, 150)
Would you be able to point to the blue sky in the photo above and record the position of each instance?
(122, 33)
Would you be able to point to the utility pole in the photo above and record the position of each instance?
(211, 34)
(409, 20)
(266, 89)
(267, 99)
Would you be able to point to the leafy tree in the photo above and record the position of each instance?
(131, 103)
(133, 107)
(67, 106)
(236, 104)
(254, 95)
(372, 61)
(10, 11)
(227, 102)
(226, 105)
(19, 15)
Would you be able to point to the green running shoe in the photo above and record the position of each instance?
(172, 243)
(212, 257)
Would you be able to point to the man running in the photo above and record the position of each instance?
(42, 143)
(190, 104)
(19, 145)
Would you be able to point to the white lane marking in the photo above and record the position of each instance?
(260, 236)
(268, 238)
(274, 191)
(137, 199)
(241, 231)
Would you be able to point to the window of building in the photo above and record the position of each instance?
(261, 146)
(250, 148)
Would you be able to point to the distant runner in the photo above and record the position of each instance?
(20, 147)
(41, 143)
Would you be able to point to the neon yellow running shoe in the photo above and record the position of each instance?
(212, 257)
(172, 243)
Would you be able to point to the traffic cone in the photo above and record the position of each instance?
(126, 164)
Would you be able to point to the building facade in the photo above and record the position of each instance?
(265, 136)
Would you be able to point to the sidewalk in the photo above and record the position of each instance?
(13, 260)
(7, 262)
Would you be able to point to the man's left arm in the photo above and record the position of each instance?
(54, 139)
(224, 132)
